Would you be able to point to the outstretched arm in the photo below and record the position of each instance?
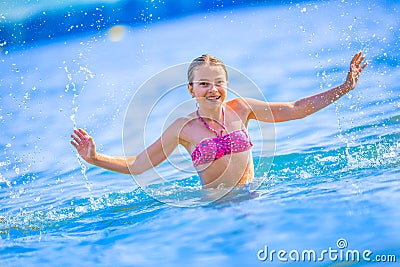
(147, 159)
(86, 148)
(308, 105)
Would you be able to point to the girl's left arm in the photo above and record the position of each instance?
(286, 111)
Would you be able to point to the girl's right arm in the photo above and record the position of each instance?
(147, 159)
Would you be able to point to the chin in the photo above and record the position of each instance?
(215, 103)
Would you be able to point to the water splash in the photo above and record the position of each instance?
(77, 80)
(334, 163)
(71, 86)
(35, 222)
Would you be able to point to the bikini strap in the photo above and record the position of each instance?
(210, 128)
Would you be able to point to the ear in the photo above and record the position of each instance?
(190, 88)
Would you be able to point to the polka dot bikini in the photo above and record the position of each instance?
(211, 149)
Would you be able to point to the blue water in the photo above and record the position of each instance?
(334, 174)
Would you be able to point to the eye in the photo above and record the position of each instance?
(204, 84)
(220, 83)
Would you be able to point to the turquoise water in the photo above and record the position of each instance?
(334, 175)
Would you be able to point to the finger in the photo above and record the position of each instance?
(83, 132)
(360, 58)
(76, 139)
(74, 144)
(363, 66)
(79, 134)
(360, 61)
(355, 58)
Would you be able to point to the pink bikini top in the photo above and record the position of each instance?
(211, 149)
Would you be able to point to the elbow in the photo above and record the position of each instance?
(134, 171)
(133, 167)
(301, 110)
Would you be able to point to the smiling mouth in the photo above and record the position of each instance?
(213, 98)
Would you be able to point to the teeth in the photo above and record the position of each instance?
(213, 97)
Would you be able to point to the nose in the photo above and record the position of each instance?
(213, 87)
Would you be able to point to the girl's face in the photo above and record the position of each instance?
(209, 85)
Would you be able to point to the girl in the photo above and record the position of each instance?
(215, 134)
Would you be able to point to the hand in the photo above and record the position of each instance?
(355, 70)
(84, 144)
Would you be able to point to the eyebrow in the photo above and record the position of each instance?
(207, 80)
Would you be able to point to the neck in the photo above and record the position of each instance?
(214, 114)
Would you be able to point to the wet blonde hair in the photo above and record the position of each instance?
(207, 60)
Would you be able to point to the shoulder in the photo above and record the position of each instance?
(180, 122)
(174, 133)
(183, 125)
(240, 105)
(184, 128)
